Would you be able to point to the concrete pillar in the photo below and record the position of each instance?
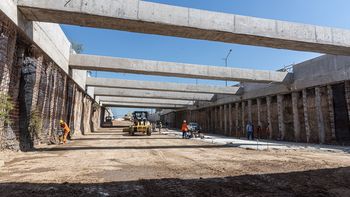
(280, 109)
(230, 119)
(250, 119)
(207, 116)
(331, 111)
(296, 121)
(225, 119)
(221, 119)
(269, 121)
(319, 114)
(243, 120)
(237, 119)
(258, 101)
(347, 95)
(216, 120)
(306, 116)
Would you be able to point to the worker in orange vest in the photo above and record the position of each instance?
(184, 129)
(66, 130)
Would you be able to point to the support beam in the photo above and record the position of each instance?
(258, 102)
(243, 119)
(296, 121)
(152, 94)
(173, 69)
(331, 111)
(237, 119)
(280, 112)
(159, 86)
(144, 100)
(141, 105)
(319, 114)
(269, 116)
(250, 119)
(225, 119)
(154, 18)
(230, 119)
(306, 116)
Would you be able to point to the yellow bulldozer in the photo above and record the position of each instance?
(141, 123)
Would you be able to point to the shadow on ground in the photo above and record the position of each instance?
(325, 182)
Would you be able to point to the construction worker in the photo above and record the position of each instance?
(250, 131)
(66, 130)
(184, 129)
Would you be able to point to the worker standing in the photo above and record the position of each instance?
(250, 130)
(184, 129)
(66, 130)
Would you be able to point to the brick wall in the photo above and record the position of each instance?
(47, 91)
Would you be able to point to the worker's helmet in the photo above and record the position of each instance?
(184, 121)
(61, 121)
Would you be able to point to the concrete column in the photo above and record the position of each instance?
(306, 116)
(347, 95)
(280, 109)
(237, 119)
(258, 101)
(225, 119)
(250, 119)
(221, 119)
(268, 103)
(230, 119)
(216, 120)
(296, 121)
(207, 115)
(331, 111)
(320, 119)
(243, 120)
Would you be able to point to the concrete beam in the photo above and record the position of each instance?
(142, 105)
(152, 94)
(145, 100)
(159, 86)
(172, 69)
(154, 18)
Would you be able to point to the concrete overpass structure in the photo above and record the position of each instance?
(154, 18)
(159, 86)
(147, 67)
(142, 105)
(145, 100)
(118, 92)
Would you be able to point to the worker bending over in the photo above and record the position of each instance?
(66, 130)
(184, 129)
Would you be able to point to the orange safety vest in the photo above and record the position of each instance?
(184, 127)
(65, 127)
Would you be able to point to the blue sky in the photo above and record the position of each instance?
(334, 13)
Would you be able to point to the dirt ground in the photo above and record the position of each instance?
(111, 163)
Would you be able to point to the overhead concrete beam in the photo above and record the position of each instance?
(142, 105)
(145, 100)
(159, 86)
(172, 69)
(154, 18)
(118, 92)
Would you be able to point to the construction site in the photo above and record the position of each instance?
(282, 132)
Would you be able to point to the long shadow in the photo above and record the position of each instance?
(136, 138)
(323, 182)
(72, 148)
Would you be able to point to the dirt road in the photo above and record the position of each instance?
(110, 163)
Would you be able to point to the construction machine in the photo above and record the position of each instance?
(141, 123)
